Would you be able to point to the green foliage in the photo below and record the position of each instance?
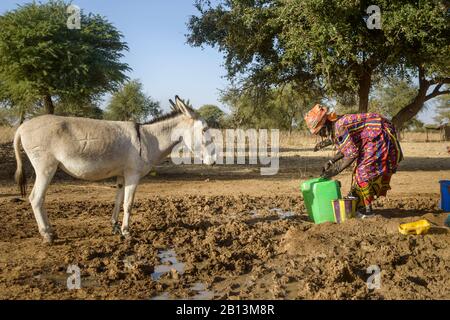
(4, 117)
(88, 109)
(391, 96)
(130, 103)
(40, 56)
(443, 109)
(415, 125)
(281, 108)
(325, 43)
(212, 114)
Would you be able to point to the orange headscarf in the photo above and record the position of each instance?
(316, 118)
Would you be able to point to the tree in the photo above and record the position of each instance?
(130, 103)
(443, 110)
(391, 96)
(40, 56)
(88, 109)
(18, 101)
(281, 108)
(328, 43)
(211, 114)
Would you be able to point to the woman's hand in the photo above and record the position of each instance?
(332, 169)
(327, 166)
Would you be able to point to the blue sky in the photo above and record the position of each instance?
(159, 56)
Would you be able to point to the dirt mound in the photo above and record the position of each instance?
(412, 267)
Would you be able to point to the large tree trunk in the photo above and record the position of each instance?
(48, 104)
(365, 82)
(412, 109)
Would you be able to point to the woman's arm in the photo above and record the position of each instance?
(338, 166)
(338, 156)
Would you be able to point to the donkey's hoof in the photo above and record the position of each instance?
(116, 229)
(47, 239)
(125, 235)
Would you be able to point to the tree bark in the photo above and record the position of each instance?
(365, 82)
(48, 104)
(412, 109)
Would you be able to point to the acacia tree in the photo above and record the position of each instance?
(212, 114)
(130, 103)
(282, 107)
(42, 57)
(391, 96)
(328, 43)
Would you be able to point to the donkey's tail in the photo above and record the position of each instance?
(20, 177)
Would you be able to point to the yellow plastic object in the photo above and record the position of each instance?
(417, 227)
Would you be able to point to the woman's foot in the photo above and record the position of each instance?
(365, 212)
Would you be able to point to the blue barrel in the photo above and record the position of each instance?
(445, 195)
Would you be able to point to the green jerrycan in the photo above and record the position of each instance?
(318, 195)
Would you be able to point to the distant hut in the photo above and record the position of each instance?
(444, 132)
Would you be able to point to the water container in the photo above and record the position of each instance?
(344, 209)
(445, 195)
(318, 195)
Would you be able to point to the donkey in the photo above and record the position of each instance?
(97, 149)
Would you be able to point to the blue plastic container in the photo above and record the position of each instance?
(445, 195)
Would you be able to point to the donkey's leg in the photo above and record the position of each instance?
(131, 183)
(117, 205)
(37, 197)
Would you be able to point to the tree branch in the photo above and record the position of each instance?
(440, 81)
(435, 93)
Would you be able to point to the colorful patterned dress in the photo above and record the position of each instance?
(372, 140)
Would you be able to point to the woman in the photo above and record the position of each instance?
(367, 138)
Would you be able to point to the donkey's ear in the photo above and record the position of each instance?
(173, 105)
(182, 106)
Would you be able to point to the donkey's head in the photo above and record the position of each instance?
(194, 132)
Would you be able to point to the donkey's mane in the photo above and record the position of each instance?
(163, 117)
(168, 116)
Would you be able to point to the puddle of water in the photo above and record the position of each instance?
(164, 296)
(254, 213)
(202, 292)
(199, 288)
(283, 214)
(169, 261)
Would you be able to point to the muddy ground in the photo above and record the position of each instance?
(227, 233)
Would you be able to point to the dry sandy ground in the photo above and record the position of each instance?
(227, 233)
